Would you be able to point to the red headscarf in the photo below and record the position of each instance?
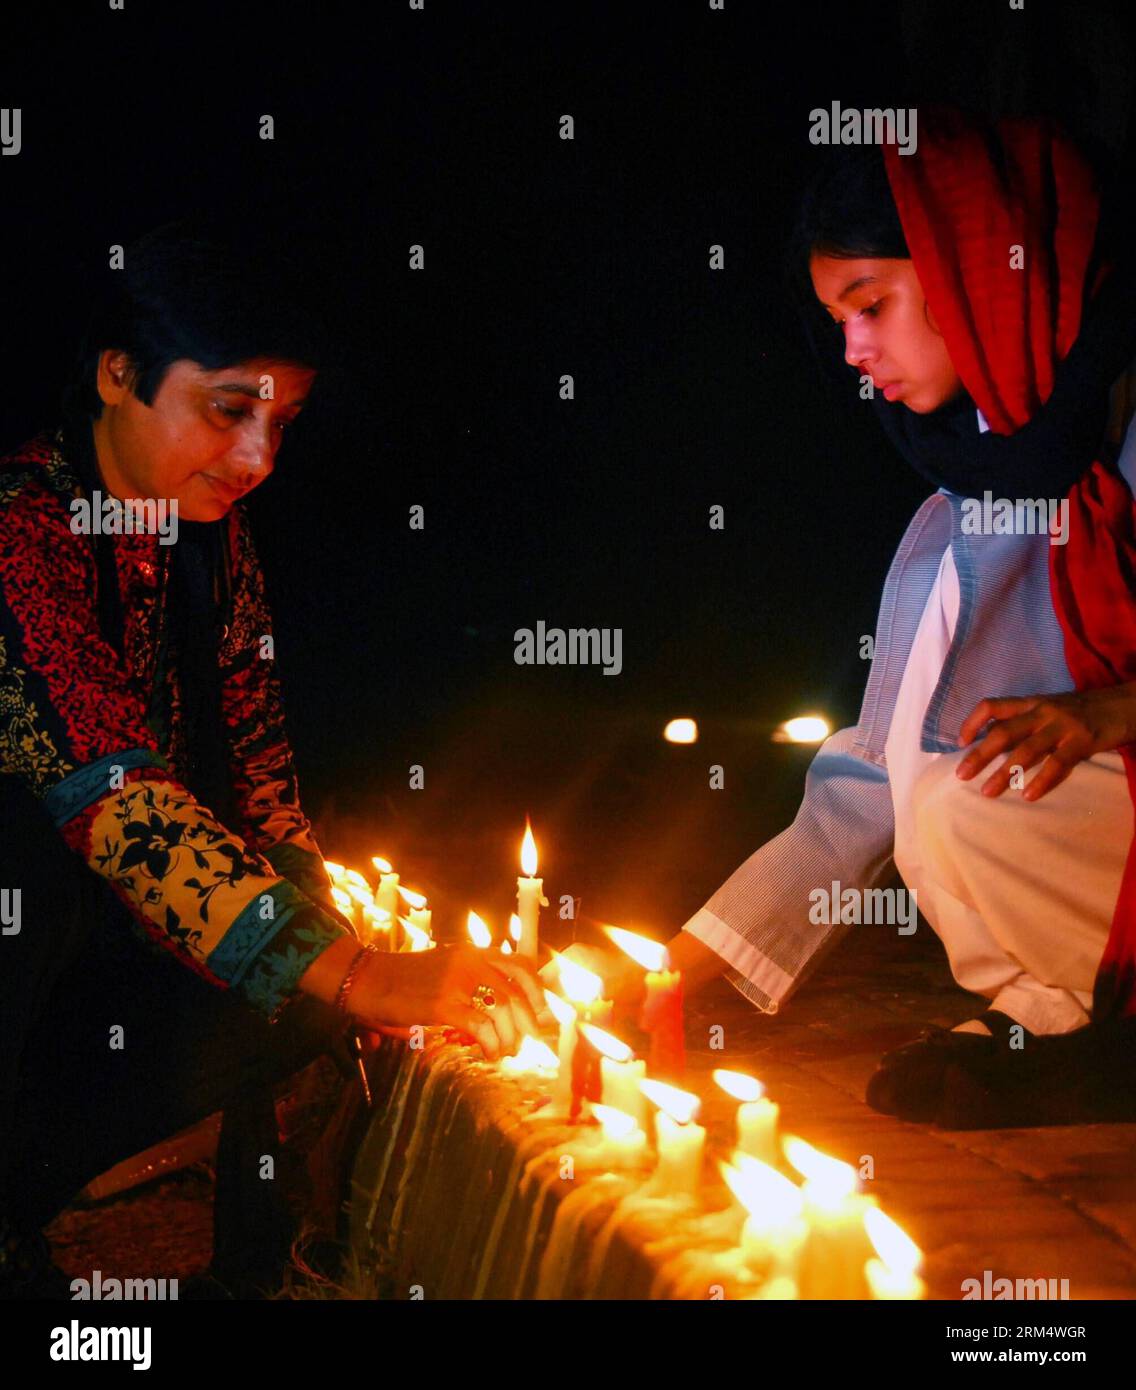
(966, 199)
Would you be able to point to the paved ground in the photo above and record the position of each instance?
(1055, 1203)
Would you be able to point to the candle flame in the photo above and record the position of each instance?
(479, 933)
(353, 876)
(361, 895)
(515, 927)
(681, 1106)
(561, 1010)
(651, 955)
(738, 1084)
(616, 1123)
(419, 939)
(582, 986)
(377, 916)
(681, 731)
(764, 1192)
(411, 897)
(606, 1043)
(383, 865)
(342, 899)
(334, 871)
(528, 852)
(506, 948)
(828, 1180)
(893, 1245)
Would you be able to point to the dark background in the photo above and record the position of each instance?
(543, 257)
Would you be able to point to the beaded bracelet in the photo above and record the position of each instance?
(357, 962)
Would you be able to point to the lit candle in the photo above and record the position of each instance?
(530, 897)
(661, 1018)
(514, 929)
(419, 916)
(620, 1074)
(379, 923)
(775, 1229)
(386, 899)
(565, 1016)
(345, 903)
(757, 1115)
(893, 1274)
(622, 1142)
(479, 933)
(582, 988)
(680, 1142)
(414, 938)
(837, 1248)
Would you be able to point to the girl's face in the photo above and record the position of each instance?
(889, 331)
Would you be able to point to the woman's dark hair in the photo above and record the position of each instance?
(198, 290)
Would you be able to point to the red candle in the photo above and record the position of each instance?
(661, 1020)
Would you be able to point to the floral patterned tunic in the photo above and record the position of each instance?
(99, 740)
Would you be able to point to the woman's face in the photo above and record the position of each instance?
(889, 331)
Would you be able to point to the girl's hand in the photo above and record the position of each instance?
(436, 988)
(1061, 729)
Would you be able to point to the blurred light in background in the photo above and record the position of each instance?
(808, 728)
(681, 731)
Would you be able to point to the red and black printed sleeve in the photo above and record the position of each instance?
(73, 729)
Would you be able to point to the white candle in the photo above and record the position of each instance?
(832, 1263)
(680, 1149)
(775, 1230)
(621, 1087)
(893, 1274)
(622, 1142)
(530, 897)
(885, 1282)
(756, 1118)
(386, 900)
(420, 918)
(757, 1129)
(565, 1016)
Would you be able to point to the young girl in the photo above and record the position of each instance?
(966, 287)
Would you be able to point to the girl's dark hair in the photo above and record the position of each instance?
(198, 290)
(846, 211)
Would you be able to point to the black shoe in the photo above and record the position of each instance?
(909, 1080)
(26, 1267)
(1079, 1078)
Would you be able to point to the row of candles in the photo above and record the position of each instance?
(375, 912)
(821, 1238)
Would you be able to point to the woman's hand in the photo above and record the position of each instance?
(436, 988)
(1062, 729)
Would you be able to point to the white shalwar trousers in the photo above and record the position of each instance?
(1021, 893)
